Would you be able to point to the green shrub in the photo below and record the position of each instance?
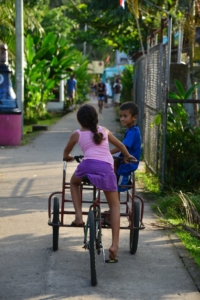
(182, 170)
(127, 83)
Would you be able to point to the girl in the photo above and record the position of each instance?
(97, 164)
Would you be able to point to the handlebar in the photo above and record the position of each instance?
(79, 158)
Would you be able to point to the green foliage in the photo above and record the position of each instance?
(150, 182)
(157, 120)
(83, 78)
(182, 144)
(55, 20)
(127, 83)
(107, 25)
(47, 61)
(181, 211)
(192, 244)
(182, 94)
(182, 151)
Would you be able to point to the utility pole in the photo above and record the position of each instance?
(19, 54)
(84, 44)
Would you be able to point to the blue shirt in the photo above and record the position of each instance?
(71, 84)
(132, 141)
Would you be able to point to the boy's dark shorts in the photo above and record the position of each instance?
(123, 180)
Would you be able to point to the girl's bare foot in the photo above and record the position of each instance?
(77, 222)
(113, 253)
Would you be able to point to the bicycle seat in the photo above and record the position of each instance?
(86, 180)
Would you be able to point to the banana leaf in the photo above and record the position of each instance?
(180, 89)
(191, 90)
(50, 38)
(172, 95)
(30, 53)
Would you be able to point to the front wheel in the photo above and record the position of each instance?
(134, 234)
(55, 221)
(92, 248)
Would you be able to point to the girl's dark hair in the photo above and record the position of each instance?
(88, 118)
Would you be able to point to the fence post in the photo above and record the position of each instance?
(164, 121)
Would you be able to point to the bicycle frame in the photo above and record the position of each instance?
(97, 202)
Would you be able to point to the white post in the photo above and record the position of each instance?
(180, 42)
(62, 92)
(84, 44)
(19, 63)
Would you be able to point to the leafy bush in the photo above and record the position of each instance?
(182, 144)
(127, 83)
(46, 63)
(182, 151)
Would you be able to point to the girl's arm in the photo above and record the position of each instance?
(119, 146)
(114, 150)
(70, 145)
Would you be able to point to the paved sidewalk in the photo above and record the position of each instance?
(30, 270)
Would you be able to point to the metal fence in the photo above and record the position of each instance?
(150, 94)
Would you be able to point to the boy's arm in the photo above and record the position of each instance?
(113, 140)
(70, 145)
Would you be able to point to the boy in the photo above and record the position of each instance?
(71, 87)
(132, 140)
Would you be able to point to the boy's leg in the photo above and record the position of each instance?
(113, 202)
(76, 198)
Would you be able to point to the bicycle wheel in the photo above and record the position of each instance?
(134, 234)
(55, 221)
(92, 248)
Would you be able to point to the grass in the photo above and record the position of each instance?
(192, 245)
(29, 135)
(171, 209)
(149, 181)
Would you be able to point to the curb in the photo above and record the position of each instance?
(186, 258)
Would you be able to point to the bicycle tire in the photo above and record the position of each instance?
(134, 234)
(55, 221)
(92, 247)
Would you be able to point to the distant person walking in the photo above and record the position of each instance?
(71, 88)
(107, 94)
(117, 87)
(101, 92)
(93, 89)
(75, 86)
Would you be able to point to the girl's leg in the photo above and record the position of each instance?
(113, 203)
(76, 198)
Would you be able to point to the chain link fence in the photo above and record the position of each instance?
(150, 94)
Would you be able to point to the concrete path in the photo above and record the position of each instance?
(30, 270)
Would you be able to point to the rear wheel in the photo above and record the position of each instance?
(92, 248)
(134, 234)
(55, 221)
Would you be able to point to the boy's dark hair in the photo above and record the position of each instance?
(88, 118)
(131, 106)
